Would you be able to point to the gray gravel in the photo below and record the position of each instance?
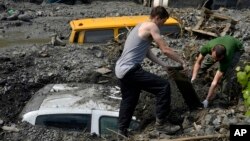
(26, 66)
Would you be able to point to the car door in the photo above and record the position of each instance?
(105, 123)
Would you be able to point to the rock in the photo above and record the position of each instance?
(241, 108)
(2, 8)
(4, 59)
(98, 64)
(10, 128)
(1, 122)
(223, 131)
(24, 17)
(211, 111)
(207, 119)
(13, 15)
(39, 13)
(220, 111)
(56, 41)
(164, 136)
(103, 70)
(225, 121)
(197, 127)
(217, 121)
(153, 134)
(156, 51)
(209, 130)
(233, 120)
(186, 123)
(232, 111)
(247, 49)
(3, 16)
(247, 120)
(189, 130)
(99, 54)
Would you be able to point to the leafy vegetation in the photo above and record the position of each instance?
(243, 77)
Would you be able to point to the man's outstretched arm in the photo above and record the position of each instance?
(155, 32)
(197, 66)
(211, 91)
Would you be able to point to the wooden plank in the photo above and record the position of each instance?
(225, 30)
(205, 32)
(205, 137)
(218, 16)
(208, 13)
(201, 32)
(200, 22)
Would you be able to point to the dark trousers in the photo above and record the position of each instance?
(132, 83)
(230, 76)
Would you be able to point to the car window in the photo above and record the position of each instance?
(108, 125)
(98, 35)
(66, 121)
(167, 29)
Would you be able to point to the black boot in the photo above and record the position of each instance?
(166, 127)
(122, 135)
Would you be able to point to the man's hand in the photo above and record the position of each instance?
(170, 71)
(205, 103)
(193, 81)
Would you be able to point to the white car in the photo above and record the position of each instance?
(84, 107)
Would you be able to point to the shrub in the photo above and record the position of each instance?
(243, 77)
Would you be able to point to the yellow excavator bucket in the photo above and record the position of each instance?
(104, 29)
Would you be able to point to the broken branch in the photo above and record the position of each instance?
(197, 137)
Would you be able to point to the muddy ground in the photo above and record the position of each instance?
(28, 62)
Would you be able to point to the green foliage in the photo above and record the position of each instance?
(243, 77)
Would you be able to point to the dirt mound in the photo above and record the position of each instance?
(30, 61)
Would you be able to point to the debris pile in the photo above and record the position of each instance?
(213, 24)
(24, 69)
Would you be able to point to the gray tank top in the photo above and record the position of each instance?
(135, 50)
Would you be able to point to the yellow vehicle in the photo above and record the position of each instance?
(97, 30)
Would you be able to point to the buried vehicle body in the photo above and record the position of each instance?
(97, 30)
(80, 107)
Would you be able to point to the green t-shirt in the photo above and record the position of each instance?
(231, 44)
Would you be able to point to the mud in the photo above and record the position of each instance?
(28, 61)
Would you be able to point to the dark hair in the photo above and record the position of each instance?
(220, 50)
(159, 11)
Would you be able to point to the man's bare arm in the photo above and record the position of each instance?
(214, 84)
(197, 66)
(155, 32)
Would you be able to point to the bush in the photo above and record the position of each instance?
(243, 77)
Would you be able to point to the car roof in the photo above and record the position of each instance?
(74, 96)
(113, 22)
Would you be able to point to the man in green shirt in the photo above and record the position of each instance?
(227, 51)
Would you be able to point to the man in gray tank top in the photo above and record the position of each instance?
(133, 78)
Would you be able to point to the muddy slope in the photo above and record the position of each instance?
(28, 62)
